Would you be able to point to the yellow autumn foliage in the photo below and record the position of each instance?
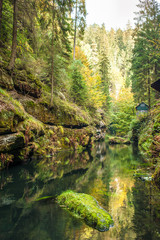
(93, 81)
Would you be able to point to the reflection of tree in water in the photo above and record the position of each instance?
(122, 166)
(96, 180)
(108, 176)
(110, 180)
(146, 221)
(27, 220)
(56, 166)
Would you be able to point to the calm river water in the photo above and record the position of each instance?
(107, 174)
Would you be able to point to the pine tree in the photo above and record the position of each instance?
(14, 36)
(79, 22)
(78, 87)
(1, 7)
(145, 62)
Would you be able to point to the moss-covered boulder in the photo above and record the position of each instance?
(74, 138)
(61, 113)
(25, 83)
(117, 140)
(9, 119)
(11, 113)
(10, 142)
(86, 208)
(6, 80)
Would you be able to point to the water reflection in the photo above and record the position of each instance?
(107, 175)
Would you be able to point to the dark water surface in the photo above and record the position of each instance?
(107, 175)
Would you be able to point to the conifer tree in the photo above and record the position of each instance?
(79, 22)
(146, 61)
(1, 7)
(14, 36)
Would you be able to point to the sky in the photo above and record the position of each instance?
(113, 13)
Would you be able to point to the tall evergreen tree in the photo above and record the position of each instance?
(1, 6)
(146, 61)
(14, 36)
(52, 50)
(104, 64)
(79, 22)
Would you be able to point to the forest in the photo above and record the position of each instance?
(48, 53)
(66, 86)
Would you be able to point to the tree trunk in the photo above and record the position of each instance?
(14, 36)
(149, 91)
(75, 31)
(52, 52)
(1, 6)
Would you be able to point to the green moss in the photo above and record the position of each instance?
(156, 176)
(146, 145)
(86, 208)
(156, 127)
(3, 92)
(12, 103)
(116, 140)
(30, 103)
(35, 123)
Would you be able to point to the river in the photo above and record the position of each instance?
(107, 174)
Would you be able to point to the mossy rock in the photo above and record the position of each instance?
(27, 84)
(6, 80)
(10, 142)
(9, 118)
(117, 140)
(86, 208)
(61, 113)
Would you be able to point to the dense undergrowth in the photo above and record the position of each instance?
(146, 131)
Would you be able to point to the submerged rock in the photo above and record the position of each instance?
(86, 208)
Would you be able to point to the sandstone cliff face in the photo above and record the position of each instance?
(20, 81)
(28, 125)
(11, 142)
(6, 80)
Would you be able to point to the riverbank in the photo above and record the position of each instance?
(30, 125)
(146, 132)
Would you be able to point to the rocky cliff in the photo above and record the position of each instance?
(29, 125)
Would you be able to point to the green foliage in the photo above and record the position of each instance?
(136, 125)
(38, 34)
(5, 160)
(116, 140)
(123, 111)
(146, 59)
(109, 55)
(156, 175)
(7, 22)
(78, 86)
